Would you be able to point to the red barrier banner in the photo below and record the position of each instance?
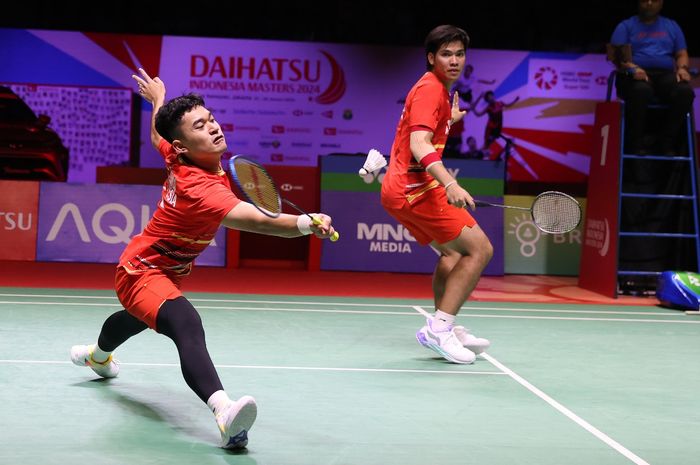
(598, 271)
(298, 184)
(19, 204)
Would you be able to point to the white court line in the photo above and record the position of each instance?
(365, 312)
(272, 367)
(634, 320)
(568, 413)
(60, 296)
(559, 407)
(210, 307)
(361, 304)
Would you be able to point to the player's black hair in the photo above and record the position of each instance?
(169, 116)
(443, 35)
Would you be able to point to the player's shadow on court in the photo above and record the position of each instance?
(437, 359)
(164, 407)
(430, 359)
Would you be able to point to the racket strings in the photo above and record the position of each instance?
(556, 212)
(258, 187)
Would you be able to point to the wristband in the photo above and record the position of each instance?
(449, 184)
(304, 224)
(429, 159)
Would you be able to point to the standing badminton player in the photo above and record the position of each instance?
(196, 200)
(421, 194)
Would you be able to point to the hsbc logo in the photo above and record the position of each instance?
(329, 131)
(284, 187)
(227, 127)
(277, 129)
(287, 187)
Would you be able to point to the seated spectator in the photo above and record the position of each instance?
(658, 69)
(473, 150)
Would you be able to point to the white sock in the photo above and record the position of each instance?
(442, 321)
(218, 401)
(99, 355)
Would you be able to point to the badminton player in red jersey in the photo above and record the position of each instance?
(421, 194)
(196, 200)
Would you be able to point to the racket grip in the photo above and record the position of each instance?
(334, 237)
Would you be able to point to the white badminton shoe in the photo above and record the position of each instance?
(235, 422)
(82, 356)
(471, 342)
(445, 343)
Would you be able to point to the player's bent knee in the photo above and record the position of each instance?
(178, 318)
(488, 251)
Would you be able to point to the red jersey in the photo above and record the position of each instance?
(189, 214)
(495, 112)
(427, 106)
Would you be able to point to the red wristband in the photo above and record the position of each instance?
(429, 159)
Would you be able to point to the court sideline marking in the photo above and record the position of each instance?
(559, 407)
(361, 312)
(361, 304)
(268, 367)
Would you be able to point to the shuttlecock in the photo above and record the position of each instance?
(374, 162)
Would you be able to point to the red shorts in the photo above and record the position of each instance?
(142, 294)
(430, 218)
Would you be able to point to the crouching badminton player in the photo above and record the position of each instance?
(196, 200)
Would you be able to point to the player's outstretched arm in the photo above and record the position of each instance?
(153, 90)
(245, 217)
(515, 100)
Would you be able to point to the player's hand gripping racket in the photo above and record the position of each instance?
(552, 212)
(259, 188)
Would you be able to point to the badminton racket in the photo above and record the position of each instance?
(260, 190)
(552, 212)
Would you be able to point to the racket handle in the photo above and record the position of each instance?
(334, 237)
